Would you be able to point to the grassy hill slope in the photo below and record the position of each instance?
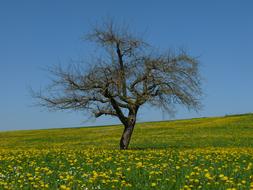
(204, 153)
(228, 131)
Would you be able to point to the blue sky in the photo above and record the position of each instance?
(35, 34)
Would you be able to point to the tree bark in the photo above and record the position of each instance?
(126, 136)
(129, 127)
(122, 71)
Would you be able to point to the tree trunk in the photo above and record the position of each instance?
(126, 136)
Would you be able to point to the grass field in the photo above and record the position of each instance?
(205, 153)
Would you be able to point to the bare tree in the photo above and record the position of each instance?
(129, 74)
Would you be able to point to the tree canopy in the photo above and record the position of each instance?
(130, 74)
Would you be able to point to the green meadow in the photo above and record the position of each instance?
(228, 131)
(201, 153)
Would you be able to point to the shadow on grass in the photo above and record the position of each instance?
(159, 147)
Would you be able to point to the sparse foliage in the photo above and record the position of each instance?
(131, 74)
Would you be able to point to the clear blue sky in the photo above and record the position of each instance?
(36, 33)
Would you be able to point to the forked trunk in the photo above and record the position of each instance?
(126, 137)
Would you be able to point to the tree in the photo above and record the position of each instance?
(129, 74)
